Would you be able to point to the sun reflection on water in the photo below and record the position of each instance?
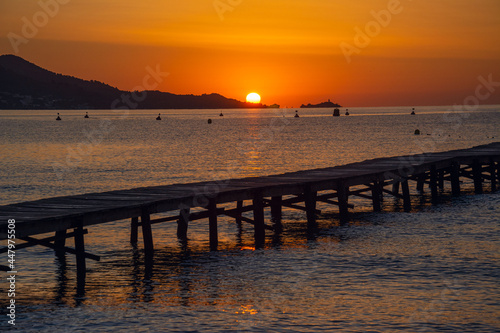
(247, 309)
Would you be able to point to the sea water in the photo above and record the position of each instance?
(433, 269)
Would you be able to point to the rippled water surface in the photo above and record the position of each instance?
(435, 269)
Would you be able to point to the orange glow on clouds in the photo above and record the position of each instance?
(427, 53)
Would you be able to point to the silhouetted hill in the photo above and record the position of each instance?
(24, 85)
(158, 100)
(321, 105)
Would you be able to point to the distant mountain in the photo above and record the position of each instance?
(322, 105)
(24, 85)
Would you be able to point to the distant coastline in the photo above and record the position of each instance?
(26, 86)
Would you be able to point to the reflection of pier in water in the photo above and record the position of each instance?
(237, 198)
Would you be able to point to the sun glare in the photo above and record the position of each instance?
(253, 98)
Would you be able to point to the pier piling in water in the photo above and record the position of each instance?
(310, 203)
(60, 241)
(258, 217)
(433, 184)
(212, 221)
(478, 177)
(343, 195)
(493, 176)
(147, 233)
(182, 223)
(406, 195)
(376, 193)
(276, 204)
(80, 251)
(455, 179)
(134, 226)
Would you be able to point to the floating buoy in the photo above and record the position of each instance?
(417, 132)
(209, 121)
(58, 118)
(159, 117)
(296, 114)
(86, 115)
(221, 115)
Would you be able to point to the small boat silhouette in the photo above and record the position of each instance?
(159, 117)
(58, 117)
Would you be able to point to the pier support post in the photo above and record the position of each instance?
(433, 185)
(276, 203)
(182, 223)
(493, 175)
(134, 226)
(310, 201)
(60, 242)
(81, 267)
(478, 177)
(376, 193)
(258, 217)
(343, 195)
(420, 182)
(406, 195)
(212, 222)
(380, 186)
(395, 187)
(276, 212)
(498, 171)
(239, 206)
(147, 233)
(441, 179)
(455, 179)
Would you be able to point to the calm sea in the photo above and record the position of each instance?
(435, 269)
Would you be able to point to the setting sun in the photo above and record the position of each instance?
(253, 98)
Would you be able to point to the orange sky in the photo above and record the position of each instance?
(425, 53)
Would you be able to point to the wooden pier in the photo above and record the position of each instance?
(66, 217)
